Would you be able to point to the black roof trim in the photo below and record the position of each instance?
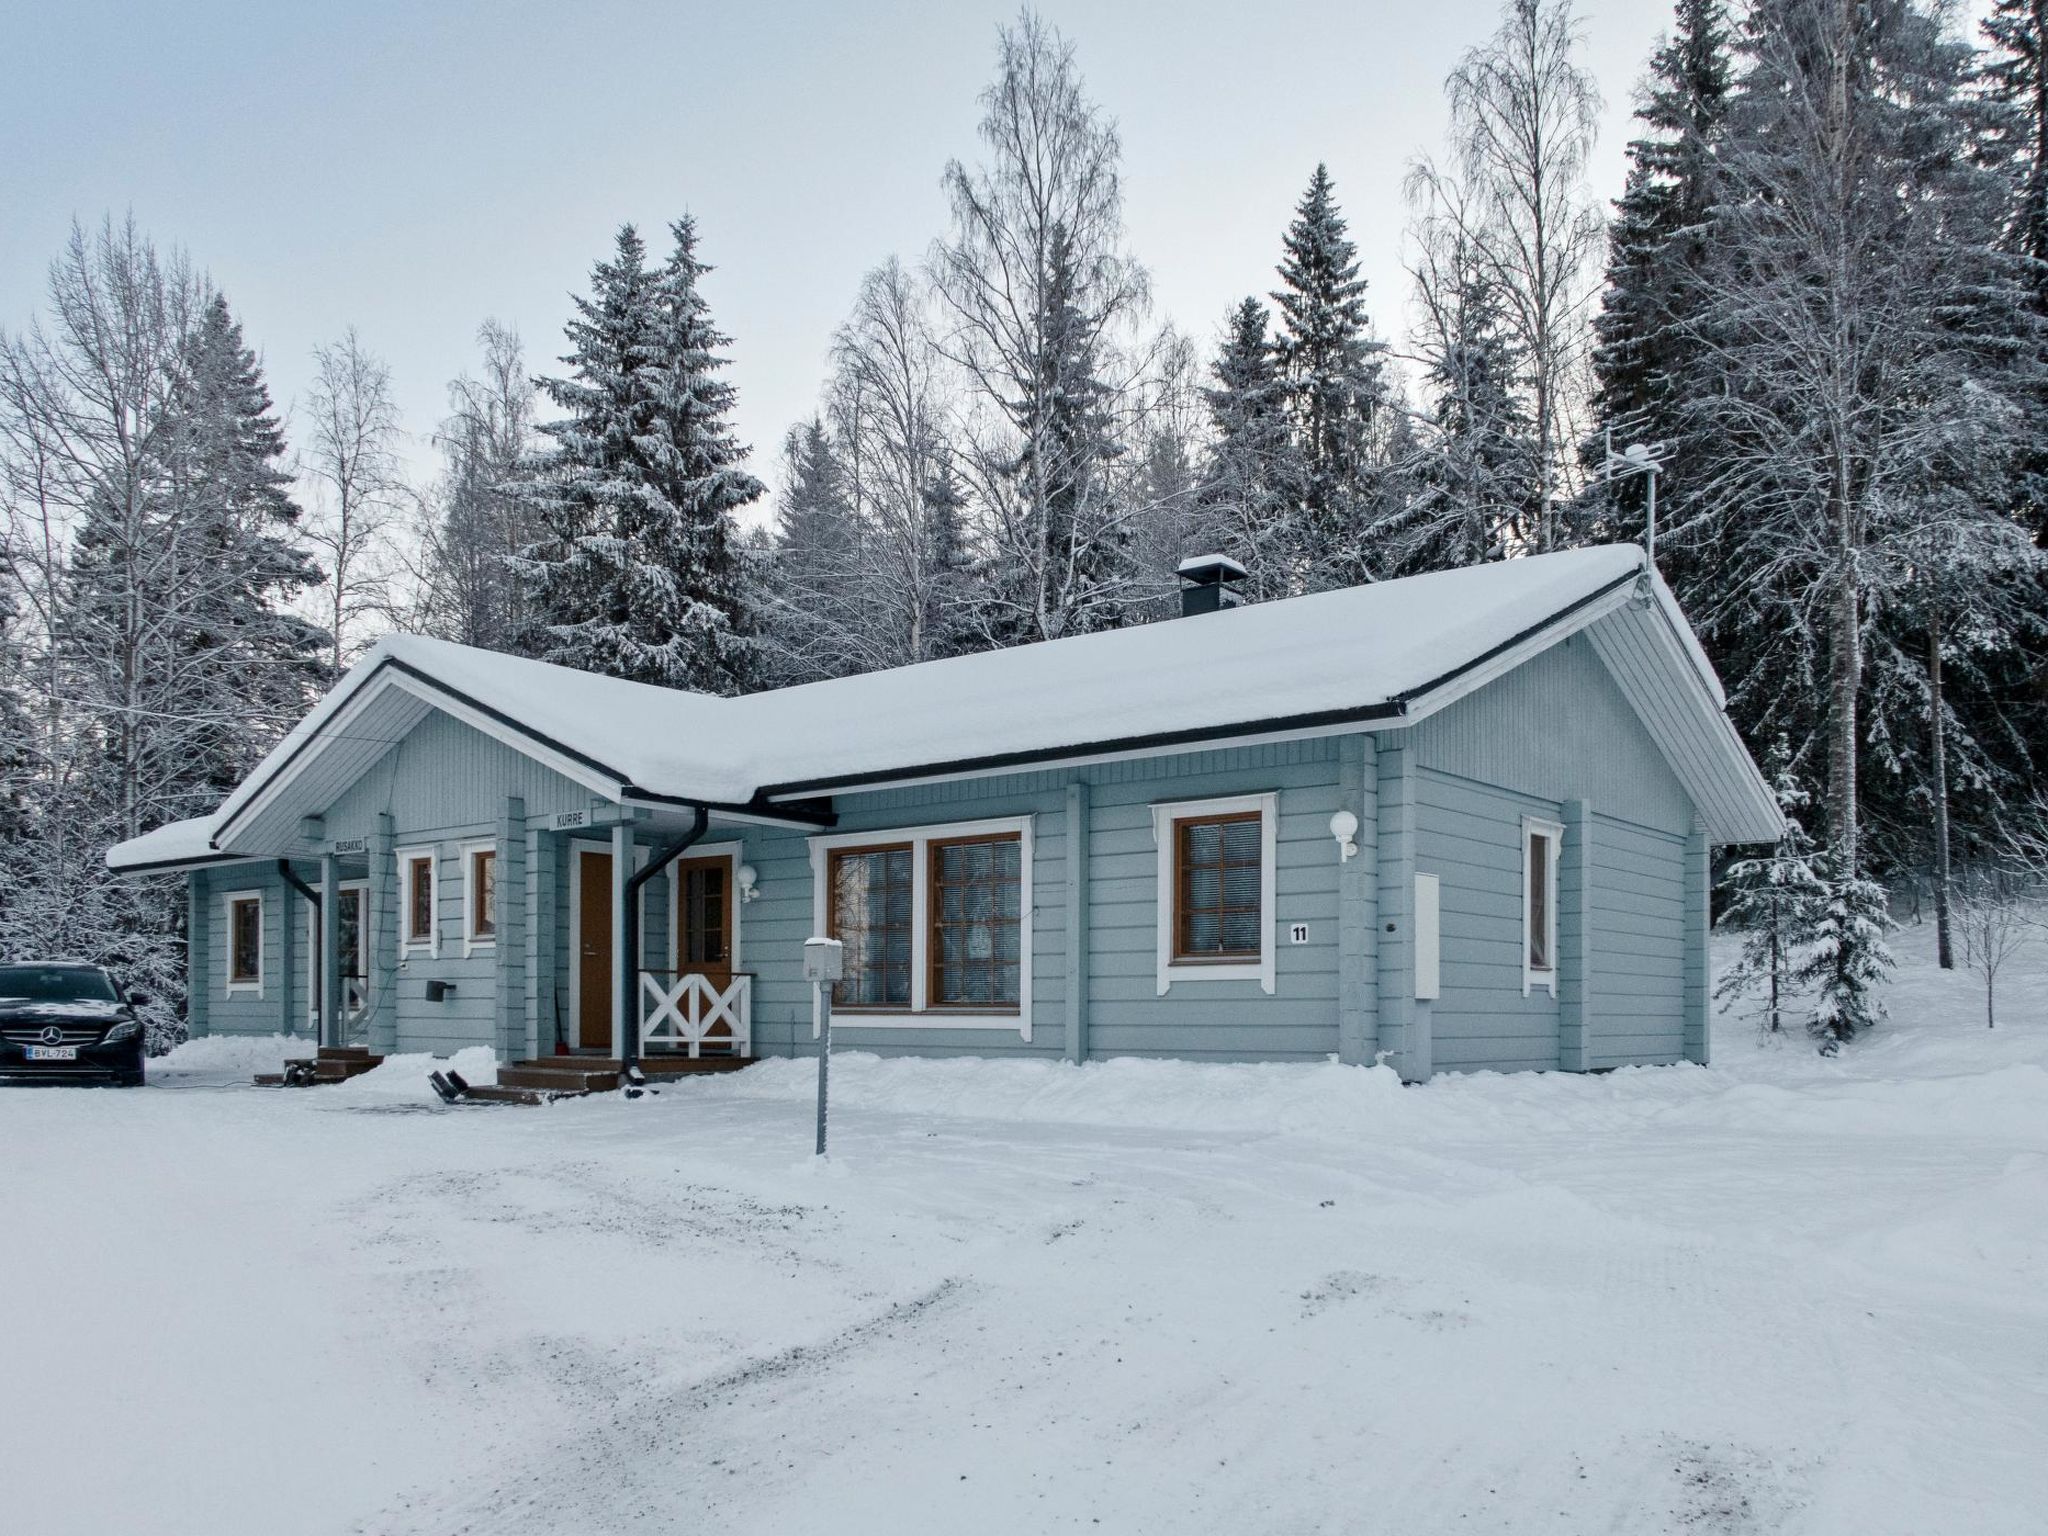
(203, 861)
(1390, 709)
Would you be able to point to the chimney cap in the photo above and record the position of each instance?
(1208, 570)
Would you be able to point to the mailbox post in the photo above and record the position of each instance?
(824, 964)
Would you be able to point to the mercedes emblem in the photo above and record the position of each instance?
(52, 1035)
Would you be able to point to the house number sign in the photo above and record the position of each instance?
(1297, 933)
(570, 819)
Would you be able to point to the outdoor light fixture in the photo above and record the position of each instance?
(746, 877)
(1344, 828)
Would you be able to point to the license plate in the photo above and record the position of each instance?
(53, 1053)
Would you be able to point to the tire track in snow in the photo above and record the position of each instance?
(604, 1479)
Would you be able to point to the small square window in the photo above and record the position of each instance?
(1218, 913)
(1217, 898)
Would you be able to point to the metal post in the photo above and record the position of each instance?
(1650, 532)
(824, 964)
(824, 1059)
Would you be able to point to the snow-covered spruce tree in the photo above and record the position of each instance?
(1645, 364)
(1038, 296)
(810, 614)
(1775, 901)
(1247, 495)
(171, 659)
(1847, 961)
(949, 624)
(252, 663)
(2013, 138)
(1475, 471)
(1331, 370)
(637, 571)
(1062, 532)
(1858, 311)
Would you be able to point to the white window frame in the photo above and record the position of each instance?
(407, 944)
(471, 944)
(734, 854)
(362, 889)
(920, 1016)
(244, 988)
(1534, 827)
(1164, 814)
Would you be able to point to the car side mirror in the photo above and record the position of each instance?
(138, 999)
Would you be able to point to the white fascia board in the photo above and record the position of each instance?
(359, 702)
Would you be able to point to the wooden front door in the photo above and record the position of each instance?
(704, 918)
(594, 950)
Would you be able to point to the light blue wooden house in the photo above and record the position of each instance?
(1461, 821)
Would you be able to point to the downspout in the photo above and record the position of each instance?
(629, 938)
(284, 869)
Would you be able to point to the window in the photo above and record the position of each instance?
(1217, 914)
(1216, 908)
(873, 916)
(1540, 842)
(418, 895)
(245, 942)
(936, 922)
(976, 908)
(479, 896)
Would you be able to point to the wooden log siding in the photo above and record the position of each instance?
(1638, 913)
(1445, 796)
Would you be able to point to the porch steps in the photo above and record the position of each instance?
(546, 1078)
(330, 1064)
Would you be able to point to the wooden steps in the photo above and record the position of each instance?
(546, 1078)
(330, 1064)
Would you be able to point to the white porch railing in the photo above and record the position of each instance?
(695, 1012)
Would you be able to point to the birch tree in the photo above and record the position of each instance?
(1524, 113)
(1038, 293)
(357, 489)
(478, 524)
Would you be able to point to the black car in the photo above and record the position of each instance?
(61, 1021)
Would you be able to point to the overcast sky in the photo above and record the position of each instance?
(413, 168)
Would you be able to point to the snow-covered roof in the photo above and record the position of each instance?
(1388, 653)
(175, 845)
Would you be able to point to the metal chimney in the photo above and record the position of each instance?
(1206, 584)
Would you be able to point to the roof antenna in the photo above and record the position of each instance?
(1646, 459)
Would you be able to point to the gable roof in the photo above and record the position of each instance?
(1386, 654)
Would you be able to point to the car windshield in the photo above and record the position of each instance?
(57, 983)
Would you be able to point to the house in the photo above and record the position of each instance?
(1458, 821)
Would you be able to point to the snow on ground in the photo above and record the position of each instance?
(1778, 1295)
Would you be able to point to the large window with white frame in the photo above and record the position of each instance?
(479, 897)
(244, 910)
(1541, 841)
(936, 922)
(419, 902)
(1216, 888)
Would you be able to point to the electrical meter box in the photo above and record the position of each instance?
(824, 960)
